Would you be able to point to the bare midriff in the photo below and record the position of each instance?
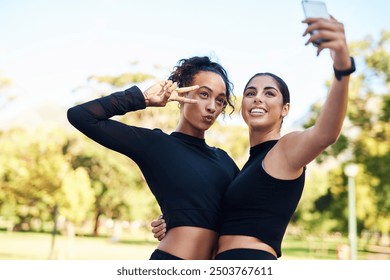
(229, 242)
(190, 243)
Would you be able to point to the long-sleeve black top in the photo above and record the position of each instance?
(187, 177)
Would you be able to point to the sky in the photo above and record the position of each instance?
(50, 48)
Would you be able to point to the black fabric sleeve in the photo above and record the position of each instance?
(93, 119)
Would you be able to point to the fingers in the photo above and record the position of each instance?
(320, 24)
(183, 100)
(159, 228)
(160, 237)
(167, 87)
(326, 34)
(175, 96)
(159, 231)
(170, 86)
(157, 223)
(187, 89)
(164, 91)
(322, 35)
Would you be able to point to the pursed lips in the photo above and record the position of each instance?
(208, 118)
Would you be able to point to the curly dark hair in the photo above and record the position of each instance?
(186, 68)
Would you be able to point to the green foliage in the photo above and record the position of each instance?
(45, 168)
(33, 173)
(364, 140)
(113, 179)
(231, 138)
(76, 187)
(310, 214)
(385, 117)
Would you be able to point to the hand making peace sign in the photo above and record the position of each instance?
(165, 91)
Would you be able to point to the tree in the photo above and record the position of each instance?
(34, 169)
(76, 187)
(113, 178)
(372, 148)
(364, 140)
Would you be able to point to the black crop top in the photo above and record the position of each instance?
(259, 205)
(187, 177)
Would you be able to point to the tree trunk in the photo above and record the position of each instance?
(97, 224)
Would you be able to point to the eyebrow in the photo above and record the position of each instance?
(206, 87)
(266, 88)
(251, 88)
(270, 87)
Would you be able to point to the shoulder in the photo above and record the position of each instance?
(220, 151)
(277, 162)
(223, 153)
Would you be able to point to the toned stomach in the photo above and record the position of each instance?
(228, 242)
(190, 243)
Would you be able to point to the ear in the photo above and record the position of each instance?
(285, 109)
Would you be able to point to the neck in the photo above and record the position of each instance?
(258, 137)
(190, 131)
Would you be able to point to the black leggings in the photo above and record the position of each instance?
(161, 255)
(245, 254)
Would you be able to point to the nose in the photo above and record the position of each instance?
(258, 98)
(211, 108)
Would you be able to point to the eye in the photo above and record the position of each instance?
(250, 93)
(270, 93)
(221, 101)
(204, 94)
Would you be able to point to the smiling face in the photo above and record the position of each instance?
(262, 104)
(195, 119)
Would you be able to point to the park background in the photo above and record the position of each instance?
(54, 54)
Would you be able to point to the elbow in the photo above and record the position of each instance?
(71, 115)
(329, 140)
(326, 136)
(333, 140)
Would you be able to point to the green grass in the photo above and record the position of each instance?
(37, 246)
(326, 248)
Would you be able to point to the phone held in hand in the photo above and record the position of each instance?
(315, 9)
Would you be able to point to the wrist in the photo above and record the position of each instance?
(147, 100)
(339, 73)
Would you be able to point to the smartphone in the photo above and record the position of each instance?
(315, 9)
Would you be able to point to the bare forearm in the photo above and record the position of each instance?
(330, 121)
